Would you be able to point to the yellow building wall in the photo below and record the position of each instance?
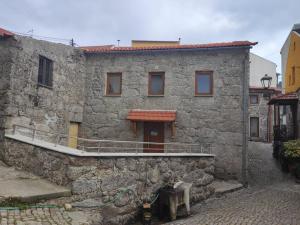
(138, 43)
(293, 61)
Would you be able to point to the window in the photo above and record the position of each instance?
(114, 84)
(45, 75)
(204, 83)
(253, 99)
(254, 127)
(156, 83)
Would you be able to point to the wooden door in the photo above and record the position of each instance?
(73, 134)
(153, 132)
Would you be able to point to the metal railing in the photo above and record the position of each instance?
(101, 146)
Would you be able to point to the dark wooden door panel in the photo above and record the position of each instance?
(153, 132)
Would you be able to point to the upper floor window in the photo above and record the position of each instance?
(114, 84)
(156, 83)
(253, 99)
(204, 83)
(45, 76)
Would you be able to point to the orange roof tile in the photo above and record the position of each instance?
(152, 115)
(109, 48)
(5, 33)
(284, 99)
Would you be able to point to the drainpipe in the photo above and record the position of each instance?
(245, 90)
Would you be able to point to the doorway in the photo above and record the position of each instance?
(73, 134)
(154, 132)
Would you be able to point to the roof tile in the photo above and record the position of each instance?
(111, 48)
(152, 115)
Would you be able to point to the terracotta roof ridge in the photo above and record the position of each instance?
(182, 46)
(5, 33)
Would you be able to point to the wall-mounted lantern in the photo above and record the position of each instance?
(266, 81)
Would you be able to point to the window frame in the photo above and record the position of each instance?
(107, 86)
(204, 72)
(150, 83)
(257, 99)
(256, 117)
(42, 72)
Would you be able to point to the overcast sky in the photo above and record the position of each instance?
(98, 22)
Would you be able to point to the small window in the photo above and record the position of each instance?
(253, 99)
(204, 83)
(254, 127)
(45, 75)
(156, 83)
(114, 84)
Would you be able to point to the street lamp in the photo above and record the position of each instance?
(266, 81)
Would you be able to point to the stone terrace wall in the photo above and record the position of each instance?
(95, 182)
(215, 120)
(45, 108)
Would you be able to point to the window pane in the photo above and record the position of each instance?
(254, 127)
(203, 84)
(157, 84)
(114, 83)
(253, 99)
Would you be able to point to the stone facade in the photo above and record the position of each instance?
(49, 109)
(79, 85)
(99, 182)
(5, 68)
(264, 112)
(215, 120)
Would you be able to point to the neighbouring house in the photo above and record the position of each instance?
(260, 113)
(151, 94)
(286, 105)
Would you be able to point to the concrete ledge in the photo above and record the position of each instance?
(76, 152)
(26, 187)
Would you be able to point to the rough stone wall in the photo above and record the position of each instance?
(44, 108)
(5, 68)
(215, 120)
(261, 110)
(98, 182)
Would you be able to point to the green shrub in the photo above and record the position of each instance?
(292, 149)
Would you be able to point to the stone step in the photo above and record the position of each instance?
(26, 187)
(222, 187)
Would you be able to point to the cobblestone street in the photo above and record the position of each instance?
(272, 198)
(39, 216)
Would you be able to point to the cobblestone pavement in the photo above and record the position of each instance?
(272, 198)
(36, 216)
(273, 205)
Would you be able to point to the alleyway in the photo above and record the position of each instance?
(272, 197)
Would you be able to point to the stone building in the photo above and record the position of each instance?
(261, 119)
(177, 93)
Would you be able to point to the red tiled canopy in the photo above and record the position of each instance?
(152, 115)
(285, 99)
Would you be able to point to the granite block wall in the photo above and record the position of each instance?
(97, 182)
(49, 109)
(215, 120)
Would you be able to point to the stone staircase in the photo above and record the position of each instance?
(25, 187)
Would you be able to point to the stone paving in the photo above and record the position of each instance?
(271, 199)
(36, 216)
